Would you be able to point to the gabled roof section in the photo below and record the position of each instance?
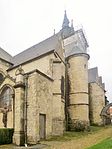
(35, 51)
(5, 56)
(47, 46)
(94, 77)
(92, 74)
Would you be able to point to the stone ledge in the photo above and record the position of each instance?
(22, 85)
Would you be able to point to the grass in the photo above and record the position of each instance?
(70, 135)
(9, 146)
(105, 144)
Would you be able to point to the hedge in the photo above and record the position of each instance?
(6, 135)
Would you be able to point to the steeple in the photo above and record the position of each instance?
(65, 21)
(66, 30)
(72, 23)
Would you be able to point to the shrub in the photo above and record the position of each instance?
(6, 135)
(78, 125)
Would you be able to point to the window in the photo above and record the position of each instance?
(6, 98)
(1, 77)
(62, 87)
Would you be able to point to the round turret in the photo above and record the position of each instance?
(78, 91)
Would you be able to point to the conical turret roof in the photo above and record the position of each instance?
(65, 21)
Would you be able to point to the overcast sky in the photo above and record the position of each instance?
(24, 23)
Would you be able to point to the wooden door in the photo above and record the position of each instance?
(42, 126)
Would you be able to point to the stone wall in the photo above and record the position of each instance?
(1, 118)
(78, 92)
(4, 65)
(96, 102)
(18, 137)
(43, 96)
(58, 99)
(44, 64)
(39, 101)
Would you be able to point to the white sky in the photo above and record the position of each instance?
(24, 23)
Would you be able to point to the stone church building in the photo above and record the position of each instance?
(48, 88)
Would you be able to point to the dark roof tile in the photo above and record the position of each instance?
(36, 50)
(5, 56)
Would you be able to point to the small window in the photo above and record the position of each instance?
(62, 87)
(85, 66)
(1, 78)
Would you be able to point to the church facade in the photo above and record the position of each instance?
(48, 88)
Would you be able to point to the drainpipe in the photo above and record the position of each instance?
(66, 94)
(25, 109)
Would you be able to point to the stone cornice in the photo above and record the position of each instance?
(20, 84)
(78, 93)
(78, 54)
(39, 72)
(85, 104)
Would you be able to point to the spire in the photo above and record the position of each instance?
(65, 21)
(72, 27)
(72, 23)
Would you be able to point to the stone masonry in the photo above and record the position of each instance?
(48, 88)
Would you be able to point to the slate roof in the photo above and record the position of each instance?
(35, 51)
(93, 74)
(44, 47)
(5, 56)
(93, 77)
(40, 49)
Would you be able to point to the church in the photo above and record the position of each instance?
(48, 88)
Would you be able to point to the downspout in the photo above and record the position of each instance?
(66, 94)
(25, 109)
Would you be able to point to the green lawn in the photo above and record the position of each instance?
(105, 144)
(70, 135)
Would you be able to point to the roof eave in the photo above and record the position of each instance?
(40, 56)
(6, 61)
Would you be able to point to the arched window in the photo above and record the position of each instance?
(6, 98)
(1, 77)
